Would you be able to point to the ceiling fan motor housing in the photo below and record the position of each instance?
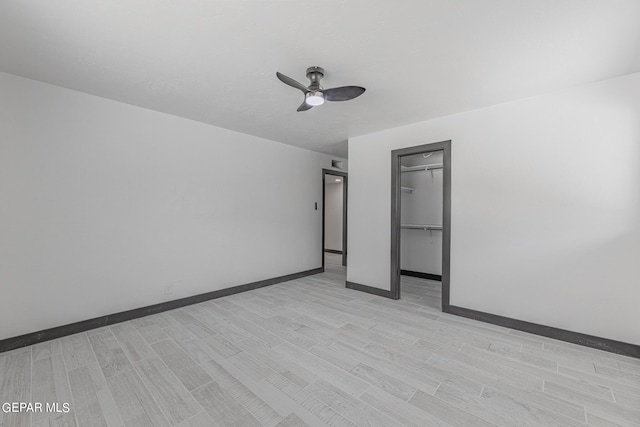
(314, 74)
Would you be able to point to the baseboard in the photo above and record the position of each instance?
(333, 251)
(421, 275)
(604, 344)
(369, 289)
(85, 325)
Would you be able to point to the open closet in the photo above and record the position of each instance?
(421, 232)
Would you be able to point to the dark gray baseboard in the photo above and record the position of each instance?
(421, 275)
(604, 344)
(333, 251)
(369, 289)
(85, 325)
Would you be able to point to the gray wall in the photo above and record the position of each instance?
(545, 207)
(103, 204)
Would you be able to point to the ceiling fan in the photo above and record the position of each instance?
(315, 94)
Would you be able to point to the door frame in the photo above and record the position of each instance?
(396, 156)
(345, 180)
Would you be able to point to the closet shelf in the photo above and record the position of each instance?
(424, 227)
(421, 168)
(406, 189)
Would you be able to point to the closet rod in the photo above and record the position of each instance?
(421, 168)
(424, 227)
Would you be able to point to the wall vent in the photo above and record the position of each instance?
(336, 164)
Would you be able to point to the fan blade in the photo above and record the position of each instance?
(343, 93)
(289, 81)
(304, 106)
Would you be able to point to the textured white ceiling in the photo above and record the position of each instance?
(215, 61)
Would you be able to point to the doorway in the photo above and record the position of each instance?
(426, 161)
(334, 216)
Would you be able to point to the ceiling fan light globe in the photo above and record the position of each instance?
(314, 98)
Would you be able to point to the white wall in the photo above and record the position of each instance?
(545, 207)
(333, 203)
(420, 250)
(102, 204)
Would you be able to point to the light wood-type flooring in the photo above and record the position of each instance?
(422, 292)
(310, 352)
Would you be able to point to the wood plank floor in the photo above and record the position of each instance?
(310, 352)
(423, 292)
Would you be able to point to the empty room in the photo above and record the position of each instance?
(298, 213)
